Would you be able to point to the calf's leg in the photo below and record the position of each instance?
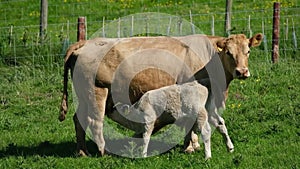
(146, 138)
(206, 135)
(188, 146)
(204, 127)
(195, 141)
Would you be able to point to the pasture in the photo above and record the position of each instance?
(262, 113)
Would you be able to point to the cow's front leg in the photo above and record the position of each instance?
(96, 118)
(217, 121)
(223, 130)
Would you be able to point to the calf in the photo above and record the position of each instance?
(183, 105)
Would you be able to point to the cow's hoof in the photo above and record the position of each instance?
(230, 150)
(207, 158)
(61, 117)
(102, 152)
(189, 150)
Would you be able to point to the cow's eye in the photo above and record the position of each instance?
(248, 52)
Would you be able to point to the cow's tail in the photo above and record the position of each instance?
(67, 66)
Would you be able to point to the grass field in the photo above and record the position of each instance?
(262, 116)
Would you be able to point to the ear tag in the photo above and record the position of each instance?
(220, 49)
(255, 41)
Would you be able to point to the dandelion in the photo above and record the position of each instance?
(232, 106)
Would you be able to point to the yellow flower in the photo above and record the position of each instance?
(232, 106)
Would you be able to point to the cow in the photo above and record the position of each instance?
(97, 63)
(182, 104)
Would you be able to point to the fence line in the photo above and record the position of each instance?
(15, 39)
(28, 40)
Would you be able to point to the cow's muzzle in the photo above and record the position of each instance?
(242, 73)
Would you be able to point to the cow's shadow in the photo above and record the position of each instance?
(46, 148)
(68, 149)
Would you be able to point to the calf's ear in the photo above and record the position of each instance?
(256, 40)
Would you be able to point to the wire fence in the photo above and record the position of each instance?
(19, 24)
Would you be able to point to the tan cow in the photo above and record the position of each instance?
(102, 67)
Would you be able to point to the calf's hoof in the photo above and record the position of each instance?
(189, 149)
(82, 153)
(196, 146)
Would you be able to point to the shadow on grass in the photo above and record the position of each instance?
(123, 147)
(46, 148)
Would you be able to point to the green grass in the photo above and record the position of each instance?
(262, 112)
(262, 116)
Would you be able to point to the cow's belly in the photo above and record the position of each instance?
(148, 79)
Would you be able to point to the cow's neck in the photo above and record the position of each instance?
(205, 73)
(229, 78)
(228, 74)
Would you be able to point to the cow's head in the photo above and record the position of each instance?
(234, 52)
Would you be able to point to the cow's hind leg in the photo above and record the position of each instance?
(96, 118)
(80, 127)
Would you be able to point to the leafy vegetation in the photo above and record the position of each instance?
(262, 112)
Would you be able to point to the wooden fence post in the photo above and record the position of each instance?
(43, 18)
(275, 38)
(294, 36)
(228, 17)
(81, 29)
(212, 25)
(103, 27)
(192, 25)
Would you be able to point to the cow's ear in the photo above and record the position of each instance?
(256, 40)
(221, 45)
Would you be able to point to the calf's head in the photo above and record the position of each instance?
(234, 52)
